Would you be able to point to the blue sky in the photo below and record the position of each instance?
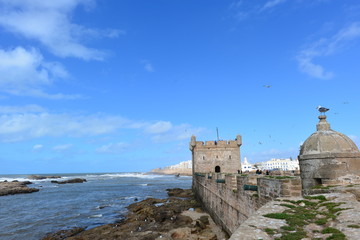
(116, 86)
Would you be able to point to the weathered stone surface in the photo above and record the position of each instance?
(328, 157)
(74, 180)
(347, 219)
(10, 188)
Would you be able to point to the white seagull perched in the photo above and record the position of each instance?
(322, 109)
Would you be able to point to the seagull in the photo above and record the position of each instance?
(267, 86)
(322, 109)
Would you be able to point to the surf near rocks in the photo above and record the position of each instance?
(176, 217)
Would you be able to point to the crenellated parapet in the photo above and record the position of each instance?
(221, 143)
(216, 156)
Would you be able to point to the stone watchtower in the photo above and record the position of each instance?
(216, 156)
(328, 157)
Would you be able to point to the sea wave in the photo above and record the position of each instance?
(120, 175)
(87, 176)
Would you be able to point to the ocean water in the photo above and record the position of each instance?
(100, 200)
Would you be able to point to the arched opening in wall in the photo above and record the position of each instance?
(217, 169)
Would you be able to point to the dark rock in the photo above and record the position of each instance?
(10, 188)
(205, 220)
(74, 180)
(63, 234)
(151, 218)
(178, 192)
(39, 177)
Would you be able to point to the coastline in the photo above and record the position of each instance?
(177, 217)
(178, 172)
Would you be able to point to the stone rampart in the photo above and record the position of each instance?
(224, 196)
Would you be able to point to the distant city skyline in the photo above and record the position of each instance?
(120, 86)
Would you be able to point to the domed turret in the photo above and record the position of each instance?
(326, 140)
(328, 157)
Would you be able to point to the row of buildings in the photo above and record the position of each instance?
(284, 164)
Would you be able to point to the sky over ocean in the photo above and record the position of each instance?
(119, 86)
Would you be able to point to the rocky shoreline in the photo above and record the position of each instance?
(11, 188)
(16, 187)
(178, 217)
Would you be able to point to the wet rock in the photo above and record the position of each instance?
(39, 177)
(63, 234)
(154, 219)
(10, 188)
(178, 192)
(74, 180)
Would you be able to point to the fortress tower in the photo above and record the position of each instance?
(328, 157)
(216, 156)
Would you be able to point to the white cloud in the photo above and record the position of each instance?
(113, 148)
(315, 70)
(148, 67)
(37, 147)
(19, 123)
(326, 47)
(244, 9)
(50, 23)
(271, 4)
(22, 126)
(25, 73)
(61, 148)
(176, 133)
(21, 109)
(159, 127)
(272, 153)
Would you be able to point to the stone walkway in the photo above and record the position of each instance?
(331, 214)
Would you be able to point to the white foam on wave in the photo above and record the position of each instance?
(96, 216)
(135, 175)
(87, 176)
(22, 179)
(120, 175)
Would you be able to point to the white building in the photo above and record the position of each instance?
(246, 166)
(286, 164)
(181, 165)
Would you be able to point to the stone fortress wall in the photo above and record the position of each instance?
(224, 196)
(326, 157)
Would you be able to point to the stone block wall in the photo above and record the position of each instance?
(224, 198)
(216, 156)
(271, 188)
(227, 204)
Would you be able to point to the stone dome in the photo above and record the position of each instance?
(326, 140)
